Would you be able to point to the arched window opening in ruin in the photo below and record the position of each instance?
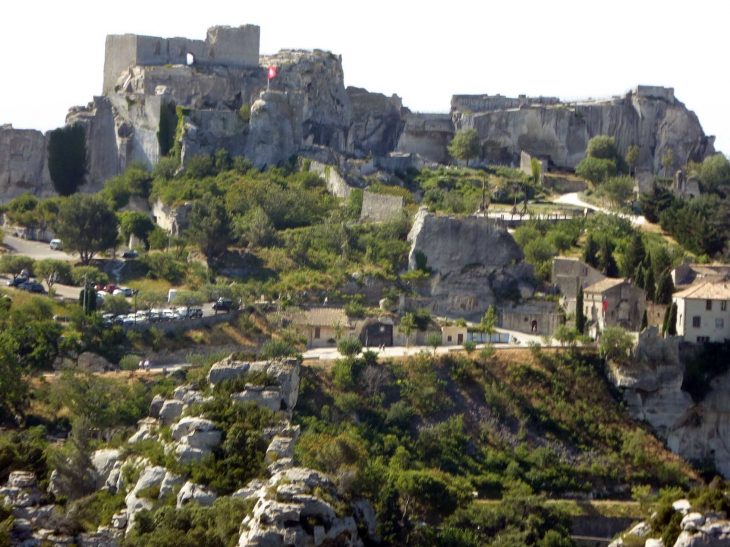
(190, 59)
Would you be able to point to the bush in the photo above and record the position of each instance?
(349, 347)
(276, 348)
(94, 276)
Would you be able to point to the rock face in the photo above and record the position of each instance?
(653, 392)
(472, 260)
(271, 136)
(376, 122)
(649, 117)
(23, 163)
(282, 396)
(286, 501)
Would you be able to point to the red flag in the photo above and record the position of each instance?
(605, 305)
(272, 72)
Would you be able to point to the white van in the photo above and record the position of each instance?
(56, 245)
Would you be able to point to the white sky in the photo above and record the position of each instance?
(52, 51)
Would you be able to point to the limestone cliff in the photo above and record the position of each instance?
(649, 117)
(23, 165)
(653, 392)
(472, 261)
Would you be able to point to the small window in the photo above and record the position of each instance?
(448, 338)
(317, 332)
(697, 321)
(702, 339)
(708, 305)
(723, 305)
(585, 272)
(719, 323)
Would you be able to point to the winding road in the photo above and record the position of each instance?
(574, 199)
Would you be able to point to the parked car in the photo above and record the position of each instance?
(195, 312)
(130, 254)
(223, 304)
(32, 286)
(124, 291)
(110, 288)
(56, 245)
(98, 288)
(102, 294)
(130, 319)
(169, 315)
(17, 281)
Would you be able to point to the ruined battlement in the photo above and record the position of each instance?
(655, 92)
(489, 103)
(223, 46)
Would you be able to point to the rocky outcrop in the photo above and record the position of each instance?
(271, 132)
(698, 530)
(651, 118)
(282, 396)
(652, 388)
(376, 122)
(23, 163)
(288, 513)
(472, 261)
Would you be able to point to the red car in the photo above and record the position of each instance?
(110, 288)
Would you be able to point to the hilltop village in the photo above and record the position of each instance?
(244, 304)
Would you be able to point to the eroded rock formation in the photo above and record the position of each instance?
(653, 392)
(472, 260)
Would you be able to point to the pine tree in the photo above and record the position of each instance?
(664, 289)
(606, 262)
(650, 285)
(590, 251)
(644, 321)
(580, 318)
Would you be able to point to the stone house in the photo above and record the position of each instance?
(534, 318)
(687, 273)
(320, 326)
(702, 312)
(613, 303)
(568, 275)
(685, 188)
(453, 335)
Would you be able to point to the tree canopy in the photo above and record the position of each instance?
(465, 145)
(87, 225)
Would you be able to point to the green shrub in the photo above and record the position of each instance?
(276, 348)
(349, 347)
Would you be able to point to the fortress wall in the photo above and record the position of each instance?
(380, 207)
(223, 46)
(655, 92)
(487, 103)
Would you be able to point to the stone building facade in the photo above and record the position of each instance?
(613, 303)
(568, 275)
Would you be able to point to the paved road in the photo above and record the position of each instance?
(573, 199)
(400, 351)
(35, 249)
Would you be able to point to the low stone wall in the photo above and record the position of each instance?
(33, 234)
(563, 185)
(336, 184)
(380, 207)
(187, 324)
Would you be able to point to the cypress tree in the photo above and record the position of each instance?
(672, 325)
(664, 289)
(644, 321)
(649, 284)
(606, 262)
(635, 254)
(665, 322)
(580, 318)
(640, 277)
(590, 251)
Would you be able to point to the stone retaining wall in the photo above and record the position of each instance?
(187, 324)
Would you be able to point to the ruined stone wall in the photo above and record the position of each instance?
(380, 207)
(655, 92)
(171, 218)
(223, 46)
(427, 135)
(336, 183)
(486, 103)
